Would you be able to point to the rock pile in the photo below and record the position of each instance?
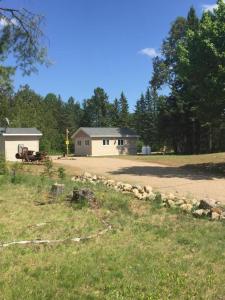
(199, 208)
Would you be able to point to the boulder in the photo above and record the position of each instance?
(138, 187)
(87, 175)
(207, 204)
(217, 210)
(215, 216)
(111, 182)
(148, 189)
(135, 192)
(171, 203)
(127, 187)
(171, 196)
(95, 178)
(201, 212)
(180, 202)
(186, 207)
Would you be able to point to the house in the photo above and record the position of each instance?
(104, 141)
(13, 138)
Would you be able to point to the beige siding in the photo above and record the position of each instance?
(83, 149)
(12, 142)
(2, 146)
(98, 149)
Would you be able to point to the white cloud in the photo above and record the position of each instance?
(209, 7)
(150, 52)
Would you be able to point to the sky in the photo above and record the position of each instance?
(101, 43)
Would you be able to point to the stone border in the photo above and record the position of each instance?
(198, 208)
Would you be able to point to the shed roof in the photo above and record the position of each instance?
(107, 132)
(20, 132)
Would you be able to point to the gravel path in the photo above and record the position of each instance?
(160, 177)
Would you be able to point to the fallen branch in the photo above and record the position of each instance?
(37, 242)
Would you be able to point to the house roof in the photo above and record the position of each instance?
(20, 132)
(107, 132)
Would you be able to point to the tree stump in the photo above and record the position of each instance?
(84, 195)
(57, 189)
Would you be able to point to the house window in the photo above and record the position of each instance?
(105, 142)
(120, 142)
(79, 143)
(87, 142)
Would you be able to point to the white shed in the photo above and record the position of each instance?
(13, 138)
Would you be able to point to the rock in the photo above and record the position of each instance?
(171, 203)
(180, 202)
(135, 192)
(148, 189)
(119, 184)
(138, 187)
(207, 204)
(171, 196)
(127, 187)
(111, 182)
(151, 196)
(145, 196)
(222, 216)
(95, 178)
(201, 212)
(215, 216)
(87, 175)
(57, 189)
(186, 207)
(163, 197)
(217, 210)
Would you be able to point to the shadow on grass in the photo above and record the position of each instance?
(206, 171)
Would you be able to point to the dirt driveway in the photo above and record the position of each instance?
(160, 177)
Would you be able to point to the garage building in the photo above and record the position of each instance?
(11, 139)
(102, 141)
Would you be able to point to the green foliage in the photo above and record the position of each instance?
(61, 173)
(3, 165)
(191, 118)
(48, 168)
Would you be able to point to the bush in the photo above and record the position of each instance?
(61, 173)
(48, 168)
(3, 165)
(140, 144)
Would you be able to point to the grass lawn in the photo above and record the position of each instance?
(214, 163)
(151, 253)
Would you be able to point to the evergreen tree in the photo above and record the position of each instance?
(123, 111)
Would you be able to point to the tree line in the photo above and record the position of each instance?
(52, 115)
(190, 118)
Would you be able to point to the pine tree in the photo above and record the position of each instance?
(124, 111)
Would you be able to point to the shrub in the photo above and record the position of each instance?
(61, 173)
(3, 165)
(48, 168)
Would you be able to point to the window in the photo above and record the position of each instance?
(120, 142)
(105, 142)
(87, 142)
(79, 143)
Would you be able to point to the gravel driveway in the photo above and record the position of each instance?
(160, 177)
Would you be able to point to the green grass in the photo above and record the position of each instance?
(151, 253)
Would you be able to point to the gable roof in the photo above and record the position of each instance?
(107, 132)
(20, 132)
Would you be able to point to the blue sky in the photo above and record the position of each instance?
(106, 43)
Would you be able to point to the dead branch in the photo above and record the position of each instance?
(75, 240)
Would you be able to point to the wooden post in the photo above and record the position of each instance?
(67, 142)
